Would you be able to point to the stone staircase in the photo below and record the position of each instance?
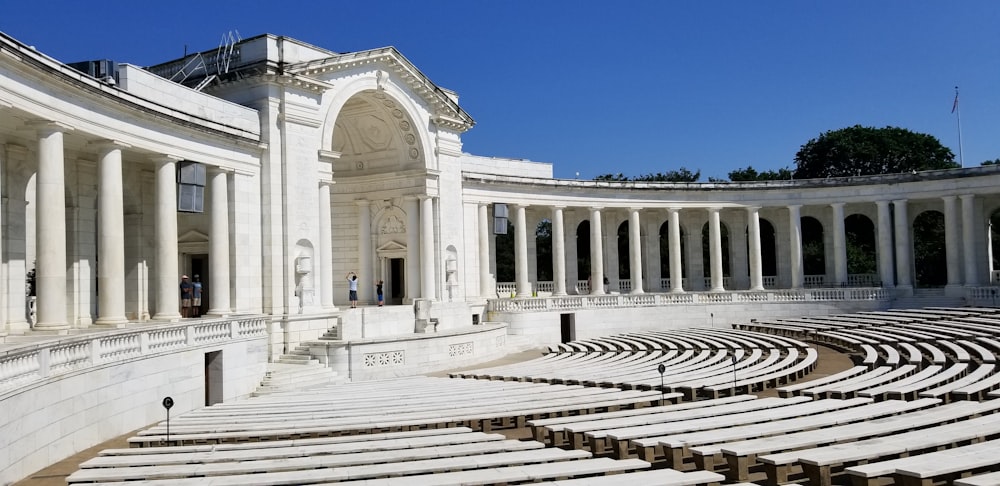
(298, 370)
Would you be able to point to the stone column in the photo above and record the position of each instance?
(485, 282)
(558, 252)
(412, 278)
(325, 277)
(903, 258)
(635, 250)
(167, 275)
(50, 230)
(521, 278)
(885, 266)
(674, 241)
(795, 245)
(715, 249)
(839, 245)
(428, 288)
(756, 267)
(596, 253)
(111, 236)
(218, 258)
(969, 239)
(366, 274)
(951, 240)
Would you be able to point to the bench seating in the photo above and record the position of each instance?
(945, 391)
(910, 390)
(899, 435)
(656, 477)
(923, 468)
(796, 388)
(988, 479)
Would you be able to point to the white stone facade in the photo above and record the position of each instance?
(320, 163)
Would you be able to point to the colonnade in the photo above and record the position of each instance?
(892, 233)
(51, 234)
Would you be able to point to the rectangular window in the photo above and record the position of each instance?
(191, 178)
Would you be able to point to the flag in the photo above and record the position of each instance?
(954, 106)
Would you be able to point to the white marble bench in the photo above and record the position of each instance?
(945, 391)
(880, 392)
(312, 469)
(656, 477)
(796, 388)
(774, 376)
(519, 474)
(925, 467)
(912, 389)
(900, 435)
(988, 479)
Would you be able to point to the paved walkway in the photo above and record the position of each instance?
(830, 361)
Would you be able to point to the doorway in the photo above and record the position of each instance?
(213, 378)
(199, 267)
(567, 324)
(397, 281)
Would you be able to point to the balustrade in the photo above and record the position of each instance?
(625, 285)
(23, 366)
(812, 281)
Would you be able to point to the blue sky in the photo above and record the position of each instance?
(599, 87)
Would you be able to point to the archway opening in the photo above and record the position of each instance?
(813, 251)
(583, 250)
(543, 251)
(929, 252)
(862, 259)
(665, 254)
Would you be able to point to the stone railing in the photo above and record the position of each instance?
(26, 364)
(573, 302)
(982, 296)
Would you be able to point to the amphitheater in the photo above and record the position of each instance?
(733, 340)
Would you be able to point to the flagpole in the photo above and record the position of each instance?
(957, 108)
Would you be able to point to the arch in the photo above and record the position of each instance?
(368, 83)
(665, 251)
(929, 252)
(373, 135)
(583, 249)
(706, 252)
(813, 248)
(505, 254)
(862, 257)
(994, 231)
(768, 249)
(543, 251)
(624, 262)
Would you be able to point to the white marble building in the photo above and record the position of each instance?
(320, 163)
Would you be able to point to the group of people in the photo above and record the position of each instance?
(352, 290)
(191, 296)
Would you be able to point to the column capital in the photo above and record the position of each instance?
(635, 209)
(166, 159)
(558, 206)
(713, 209)
(967, 197)
(794, 206)
(107, 145)
(595, 208)
(949, 198)
(882, 202)
(837, 205)
(752, 209)
(49, 126)
(900, 201)
(673, 210)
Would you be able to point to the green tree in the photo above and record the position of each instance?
(990, 162)
(680, 175)
(751, 174)
(859, 150)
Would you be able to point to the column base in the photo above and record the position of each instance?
(636, 291)
(167, 317)
(111, 322)
(57, 326)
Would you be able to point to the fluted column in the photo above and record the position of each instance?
(951, 240)
(326, 277)
(50, 230)
(111, 236)
(219, 244)
(521, 279)
(885, 266)
(969, 239)
(366, 274)
(795, 245)
(558, 252)
(596, 253)
(428, 288)
(635, 250)
(903, 258)
(412, 206)
(756, 267)
(839, 245)
(715, 249)
(674, 241)
(167, 275)
(483, 230)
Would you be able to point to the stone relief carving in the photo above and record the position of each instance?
(392, 226)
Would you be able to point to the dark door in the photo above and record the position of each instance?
(397, 281)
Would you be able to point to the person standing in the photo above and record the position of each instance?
(352, 287)
(186, 293)
(196, 288)
(378, 292)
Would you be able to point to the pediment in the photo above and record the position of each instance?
(391, 246)
(193, 237)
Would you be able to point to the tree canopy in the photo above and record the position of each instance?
(751, 174)
(679, 175)
(859, 150)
